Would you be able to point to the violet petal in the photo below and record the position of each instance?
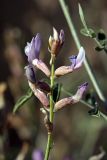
(62, 36)
(73, 60)
(32, 49)
(80, 58)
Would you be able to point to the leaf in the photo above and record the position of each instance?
(23, 100)
(82, 16)
(56, 92)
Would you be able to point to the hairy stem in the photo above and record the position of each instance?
(77, 42)
(50, 138)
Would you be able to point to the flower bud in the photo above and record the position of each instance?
(30, 74)
(55, 35)
(42, 66)
(56, 42)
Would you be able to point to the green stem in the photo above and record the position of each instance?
(85, 103)
(51, 96)
(50, 139)
(48, 147)
(77, 42)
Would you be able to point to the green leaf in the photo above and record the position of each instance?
(82, 17)
(23, 100)
(56, 92)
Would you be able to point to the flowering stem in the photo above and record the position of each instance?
(77, 42)
(50, 139)
(87, 104)
(51, 95)
(48, 147)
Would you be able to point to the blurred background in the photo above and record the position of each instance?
(77, 136)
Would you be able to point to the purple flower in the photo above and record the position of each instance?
(30, 74)
(32, 49)
(77, 60)
(80, 92)
(71, 100)
(37, 155)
